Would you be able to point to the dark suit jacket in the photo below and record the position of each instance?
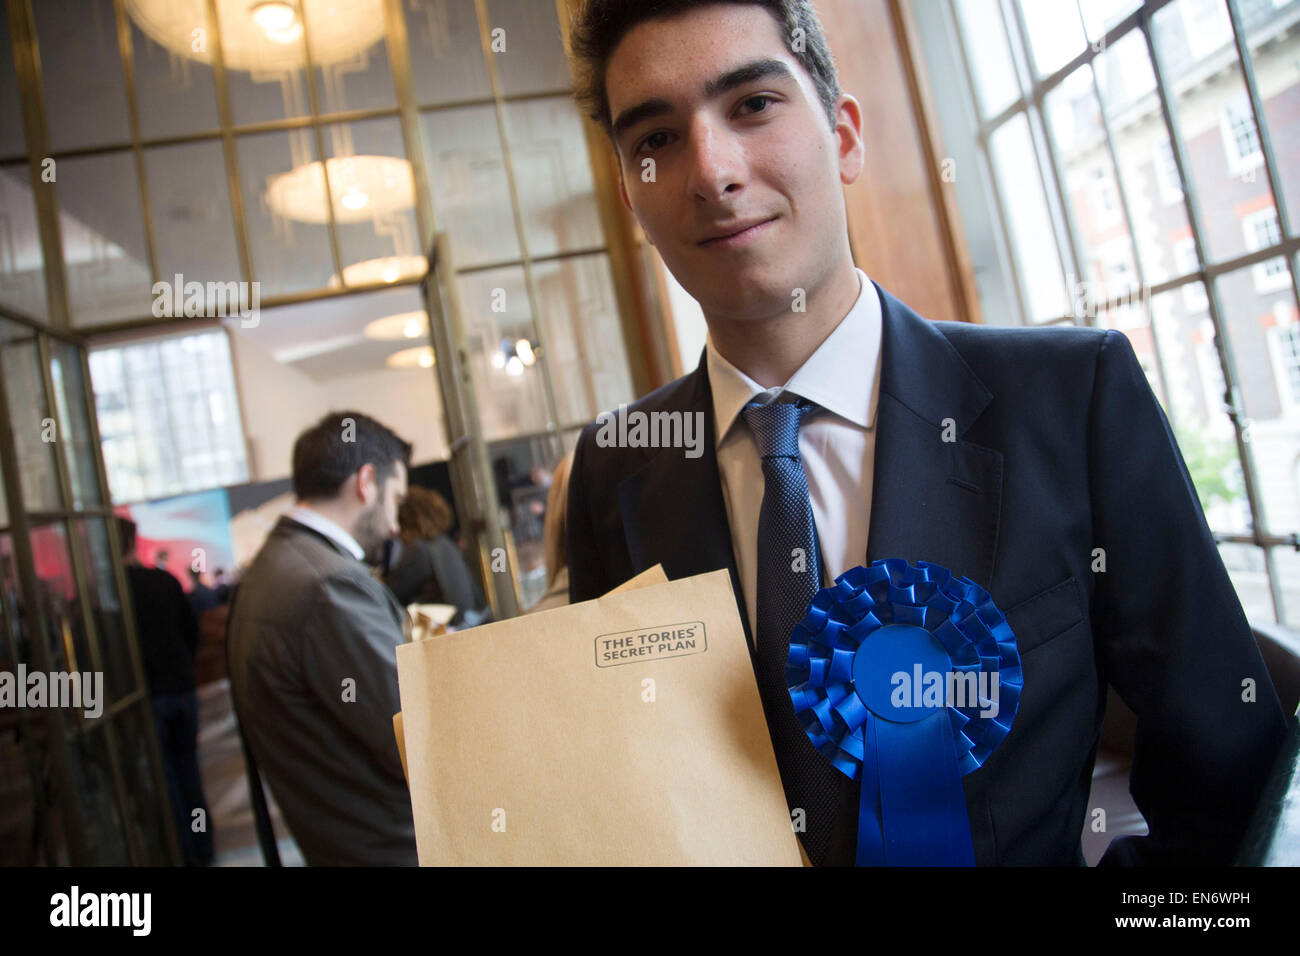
(307, 617)
(168, 629)
(1061, 448)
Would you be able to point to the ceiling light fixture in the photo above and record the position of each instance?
(419, 357)
(364, 188)
(393, 328)
(263, 37)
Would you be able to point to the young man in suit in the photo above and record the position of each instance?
(313, 650)
(1035, 462)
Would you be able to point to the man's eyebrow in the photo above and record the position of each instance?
(745, 73)
(634, 115)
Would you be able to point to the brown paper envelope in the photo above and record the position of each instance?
(555, 739)
(649, 576)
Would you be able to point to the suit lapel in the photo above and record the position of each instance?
(672, 509)
(932, 500)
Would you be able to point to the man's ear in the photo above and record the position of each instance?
(848, 136)
(366, 484)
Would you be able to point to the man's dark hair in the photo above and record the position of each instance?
(335, 448)
(601, 24)
(126, 534)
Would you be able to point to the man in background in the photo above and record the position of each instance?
(169, 636)
(313, 649)
(202, 598)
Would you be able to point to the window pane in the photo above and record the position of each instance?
(104, 248)
(553, 175)
(1274, 44)
(65, 630)
(1146, 159)
(988, 53)
(22, 272)
(511, 398)
(78, 450)
(1032, 238)
(1055, 33)
(1265, 334)
(106, 607)
(174, 88)
(585, 349)
(189, 200)
(93, 784)
(471, 196)
(1092, 191)
(284, 205)
(532, 56)
(264, 69)
(374, 202)
(78, 39)
(1193, 399)
(1100, 15)
(446, 51)
(1194, 38)
(1286, 562)
(34, 432)
(11, 114)
(350, 55)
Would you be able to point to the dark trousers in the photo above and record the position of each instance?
(176, 717)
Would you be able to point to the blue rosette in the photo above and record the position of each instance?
(907, 677)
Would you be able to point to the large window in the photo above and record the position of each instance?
(1140, 159)
(168, 416)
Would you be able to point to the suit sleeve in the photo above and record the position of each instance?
(1171, 635)
(353, 635)
(586, 580)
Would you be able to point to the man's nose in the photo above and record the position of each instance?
(716, 160)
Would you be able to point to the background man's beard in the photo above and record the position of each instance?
(370, 532)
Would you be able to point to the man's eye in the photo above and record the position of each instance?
(763, 98)
(648, 144)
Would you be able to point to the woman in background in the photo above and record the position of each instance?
(557, 568)
(429, 568)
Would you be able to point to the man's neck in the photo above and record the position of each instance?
(331, 512)
(770, 350)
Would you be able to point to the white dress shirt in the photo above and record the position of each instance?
(318, 522)
(837, 444)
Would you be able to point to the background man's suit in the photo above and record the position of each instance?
(1061, 448)
(307, 616)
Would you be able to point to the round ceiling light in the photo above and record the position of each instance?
(364, 187)
(263, 36)
(385, 269)
(405, 325)
(418, 357)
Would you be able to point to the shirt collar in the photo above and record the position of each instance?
(839, 376)
(318, 522)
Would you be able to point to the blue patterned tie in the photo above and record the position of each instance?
(786, 585)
